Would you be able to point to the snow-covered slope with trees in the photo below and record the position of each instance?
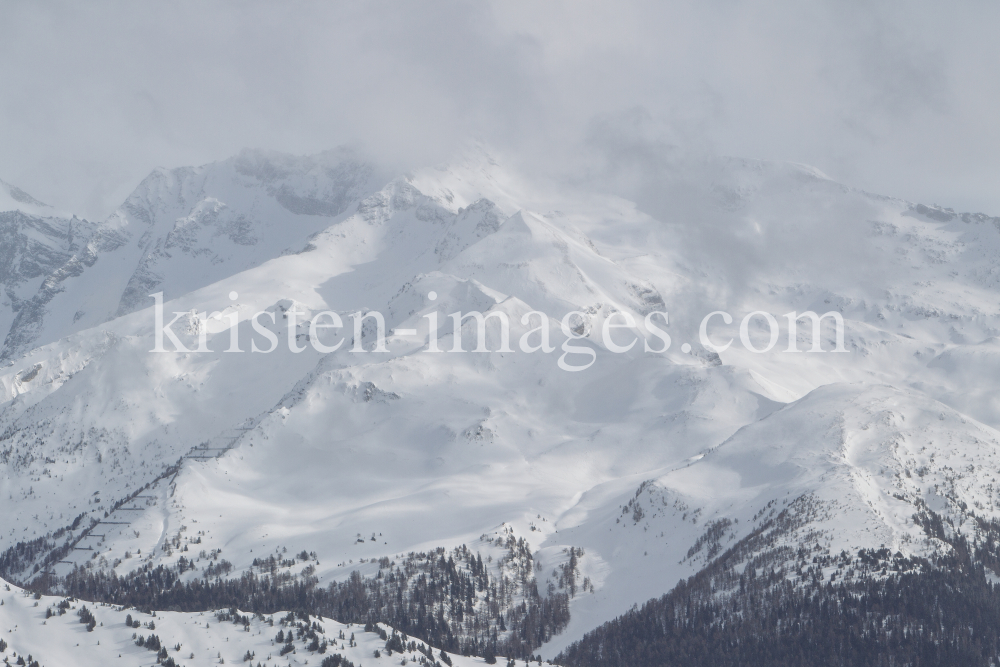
(44, 630)
(612, 483)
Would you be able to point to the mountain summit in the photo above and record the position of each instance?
(496, 501)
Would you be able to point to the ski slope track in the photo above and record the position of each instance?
(621, 480)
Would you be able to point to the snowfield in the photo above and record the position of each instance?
(623, 478)
(190, 639)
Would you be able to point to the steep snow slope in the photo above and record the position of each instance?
(38, 253)
(852, 463)
(180, 230)
(420, 449)
(79, 393)
(13, 198)
(197, 226)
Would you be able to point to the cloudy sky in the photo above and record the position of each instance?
(899, 98)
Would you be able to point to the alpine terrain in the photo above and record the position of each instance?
(632, 446)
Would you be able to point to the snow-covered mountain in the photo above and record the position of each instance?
(596, 489)
(179, 231)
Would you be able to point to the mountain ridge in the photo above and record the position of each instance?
(314, 451)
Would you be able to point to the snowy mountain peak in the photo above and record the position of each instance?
(475, 439)
(14, 198)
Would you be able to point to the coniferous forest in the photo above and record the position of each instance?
(452, 600)
(774, 608)
(762, 602)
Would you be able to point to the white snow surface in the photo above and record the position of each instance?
(190, 638)
(426, 449)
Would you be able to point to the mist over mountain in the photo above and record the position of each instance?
(488, 500)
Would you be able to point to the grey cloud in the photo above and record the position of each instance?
(897, 98)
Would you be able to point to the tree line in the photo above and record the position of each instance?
(765, 604)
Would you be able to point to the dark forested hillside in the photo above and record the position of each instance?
(450, 599)
(875, 608)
